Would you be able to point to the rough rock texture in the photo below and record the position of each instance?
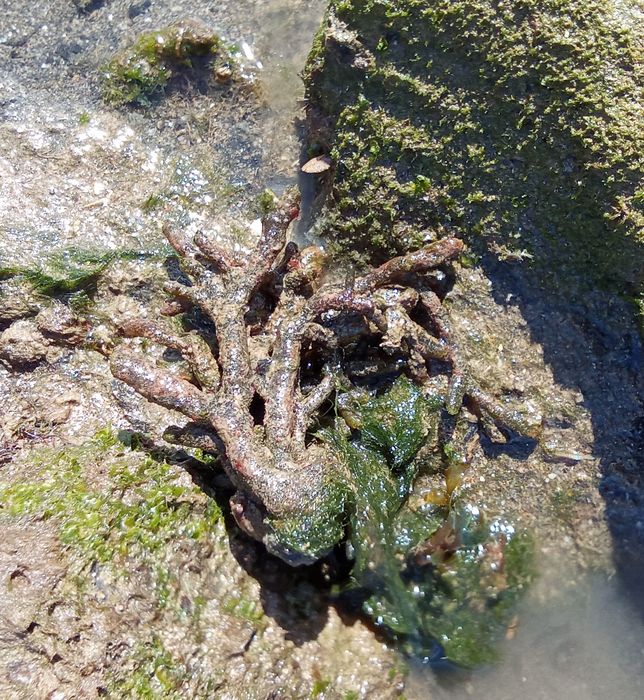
(102, 589)
(119, 578)
(518, 122)
(517, 126)
(22, 345)
(17, 300)
(59, 323)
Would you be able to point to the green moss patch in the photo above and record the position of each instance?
(145, 69)
(154, 672)
(245, 609)
(135, 513)
(517, 123)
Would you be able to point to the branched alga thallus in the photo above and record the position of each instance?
(270, 309)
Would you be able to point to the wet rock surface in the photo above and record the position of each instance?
(395, 91)
(17, 300)
(68, 159)
(410, 102)
(111, 583)
(59, 323)
(180, 617)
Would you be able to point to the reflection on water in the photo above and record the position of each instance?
(585, 644)
(284, 33)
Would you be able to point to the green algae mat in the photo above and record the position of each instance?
(440, 578)
(516, 124)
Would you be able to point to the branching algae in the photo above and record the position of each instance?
(285, 351)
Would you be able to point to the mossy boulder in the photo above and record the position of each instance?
(518, 123)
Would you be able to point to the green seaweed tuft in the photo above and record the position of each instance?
(73, 270)
(442, 580)
(149, 671)
(311, 533)
(144, 70)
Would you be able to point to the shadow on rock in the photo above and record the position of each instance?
(592, 344)
(295, 597)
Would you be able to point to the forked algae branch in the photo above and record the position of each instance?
(262, 390)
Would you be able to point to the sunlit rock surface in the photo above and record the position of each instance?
(114, 573)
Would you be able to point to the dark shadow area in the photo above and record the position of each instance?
(296, 598)
(86, 7)
(516, 447)
(592, 344)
